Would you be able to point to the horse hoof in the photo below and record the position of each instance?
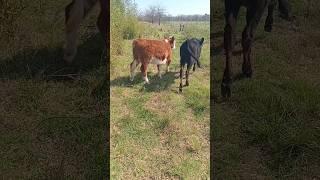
(247, 74)
(268, 28)
(225, 90)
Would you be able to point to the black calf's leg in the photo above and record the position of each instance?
(194, 67)
(181, 74)
(187, 74)
(231, 9)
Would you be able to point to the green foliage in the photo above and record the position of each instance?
(124, 24)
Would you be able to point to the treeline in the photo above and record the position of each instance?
(165, 17)
(196, 17)
(124, 24)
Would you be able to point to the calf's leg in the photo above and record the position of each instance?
(187, 74)
(168, 63)
(133, 67)
(181, 75)
(143, 69)
(159, 73)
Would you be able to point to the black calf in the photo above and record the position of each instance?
(190, 51)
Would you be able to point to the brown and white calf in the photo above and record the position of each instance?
(75, 12)
(151, 52)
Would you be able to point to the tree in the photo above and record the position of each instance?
(151, 13)
(160, 12)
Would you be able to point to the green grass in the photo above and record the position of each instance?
(269, 129)
(155, 131)
(51, 128)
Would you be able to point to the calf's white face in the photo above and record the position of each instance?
(173, 45)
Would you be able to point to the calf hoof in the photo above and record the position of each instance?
(180, 90)
(268, 28)
(225, 90)
(187, 83)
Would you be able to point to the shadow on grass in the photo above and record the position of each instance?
(61, 141)
(47, 64)
(156, 84)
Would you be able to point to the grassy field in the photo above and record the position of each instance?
(270, 128)
(51, 127)
(155, 131)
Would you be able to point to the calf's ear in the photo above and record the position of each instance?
(201, 41)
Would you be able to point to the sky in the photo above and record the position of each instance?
(176, 7)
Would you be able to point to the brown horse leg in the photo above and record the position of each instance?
(102, 19)
(253, 17)
(231, 10)
(269, 19)
(247, 39)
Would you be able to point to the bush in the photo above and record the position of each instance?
(124, 24)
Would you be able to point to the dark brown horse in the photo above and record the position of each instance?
(255, 10)
(75, 12)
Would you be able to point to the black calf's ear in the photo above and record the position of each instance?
(201, 42)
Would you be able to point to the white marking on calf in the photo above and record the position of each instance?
(158, 61)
